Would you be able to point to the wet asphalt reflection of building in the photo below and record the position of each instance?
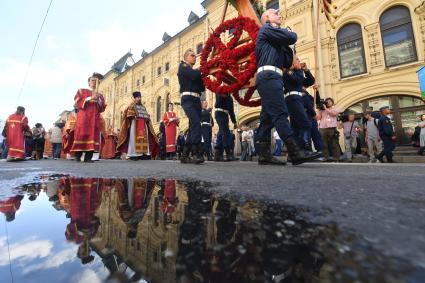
(171, 231)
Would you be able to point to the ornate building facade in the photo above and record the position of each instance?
(369, 58)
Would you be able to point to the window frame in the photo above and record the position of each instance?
(201, 45)
(348, 40)
(270, 4)
(394, 25)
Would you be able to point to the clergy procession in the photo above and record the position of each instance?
(258, 67)
(86, 139)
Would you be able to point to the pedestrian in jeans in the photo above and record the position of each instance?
(246, 144)
(56, 140)
(328, 129)
(350, 129)
(372, 137)
(278, 144)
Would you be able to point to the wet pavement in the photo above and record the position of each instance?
(163, 230)
(62, 228)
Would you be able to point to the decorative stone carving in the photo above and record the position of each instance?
(375, 47)
(420, 10)
(330, 44)
(298, 8)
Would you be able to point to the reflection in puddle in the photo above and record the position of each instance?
(147, 230)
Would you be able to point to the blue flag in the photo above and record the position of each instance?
(421, 76)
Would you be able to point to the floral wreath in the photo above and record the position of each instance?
(225, 58)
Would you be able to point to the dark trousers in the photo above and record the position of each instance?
(207, 136)
(4, 150)
(330, 139)
(274, 112)
(387, 151)
(56, 150)
(224, 137)
(315, 135)
(300, 122)
(192, 107)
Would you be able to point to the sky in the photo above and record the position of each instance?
(79, 37)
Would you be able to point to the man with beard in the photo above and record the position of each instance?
(137, 137)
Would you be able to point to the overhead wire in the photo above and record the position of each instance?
(8, 250)
(32, 54)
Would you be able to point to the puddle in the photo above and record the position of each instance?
(67, 229)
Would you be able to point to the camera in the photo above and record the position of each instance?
(321, 104)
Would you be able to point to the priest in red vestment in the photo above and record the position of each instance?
(171, 123)
(137, 137)
(68, 133)
(14, 131)
(10, 206)
(90, 104)
(169, 200)
(134, 197)
(85, 199)
(109, 150)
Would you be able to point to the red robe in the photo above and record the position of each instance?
(16, 126)
(170, 200)
(84, 201)
(10, 206)
(170, 131)
(68, 134)
(48, 150)
(87, 128)
(152, 141)
(109, 149)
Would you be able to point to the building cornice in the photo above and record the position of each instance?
(299, 8)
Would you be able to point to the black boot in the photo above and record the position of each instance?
(218, 155)
(230, 155)
(78, 155)
(197, 157)
(421, 150)
(297, 155)
(265, 156)
(88, 156)
(185, 154)
(380, 157)
(209, 157)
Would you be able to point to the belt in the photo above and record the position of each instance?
(222, 110)
(205, 123)
(293, 93)
(270, 68)
(194, 94)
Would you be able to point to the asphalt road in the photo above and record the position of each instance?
(382, 203)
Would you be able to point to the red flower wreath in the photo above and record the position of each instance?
(225, 57)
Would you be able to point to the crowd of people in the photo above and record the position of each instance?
(306, 127)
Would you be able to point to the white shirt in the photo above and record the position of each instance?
(276, 136)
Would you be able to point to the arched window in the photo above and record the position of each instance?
(397, 36)
(351, 51)
(158, 109)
